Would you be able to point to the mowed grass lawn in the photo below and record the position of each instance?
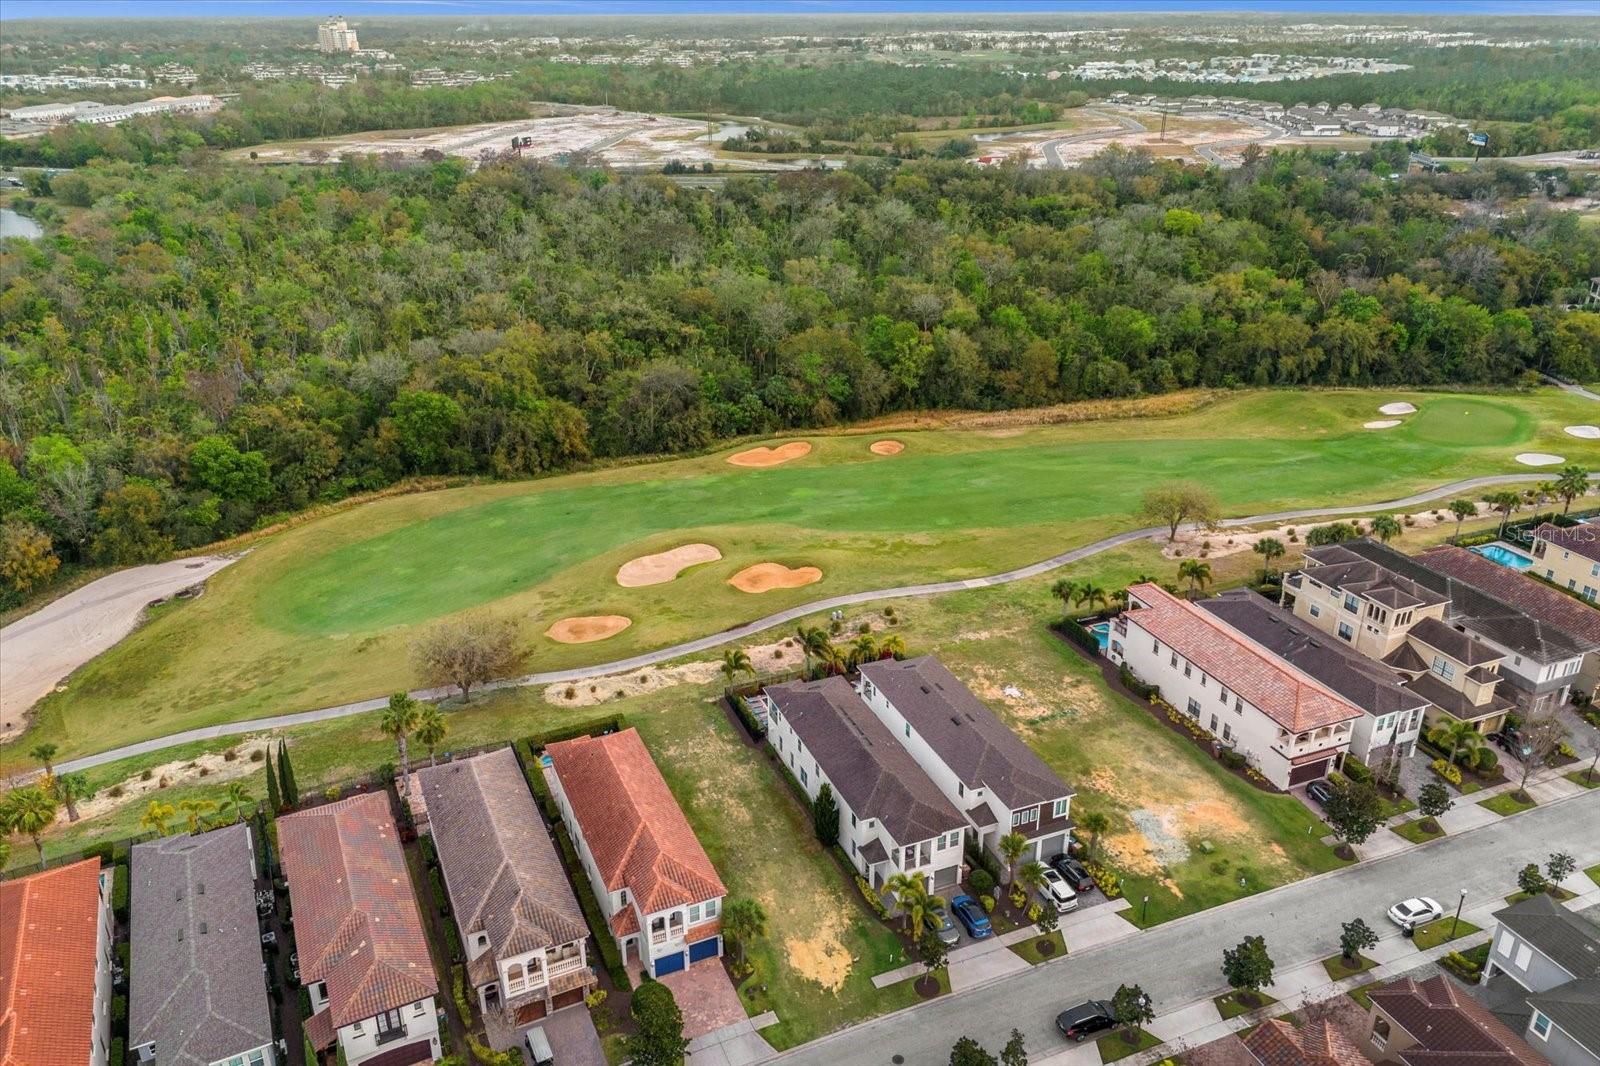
(327, 612)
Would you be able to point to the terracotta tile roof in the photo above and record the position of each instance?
(1277, 1043)
(1450, 1028)
(1581, 539)
(635, 830)
(319, 1029)
(49, 932)
(356, 921)
(1546, 604)
(1286, 695)
(503, 873)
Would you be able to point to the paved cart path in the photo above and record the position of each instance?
(750, 629)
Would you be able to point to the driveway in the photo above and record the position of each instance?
(707, 998)
(572, 1037)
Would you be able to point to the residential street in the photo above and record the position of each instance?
(1180, 962)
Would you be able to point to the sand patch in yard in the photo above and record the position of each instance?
(664, 566)
(764, 456)
(886, 447)
(1193, 543)
(764, 577)
(204, 769)
(821, 958)
(588, 628)
(767, 658)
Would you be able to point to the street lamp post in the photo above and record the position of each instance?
(1144, 912)
(1457, 919)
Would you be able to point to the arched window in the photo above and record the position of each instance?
(1380, 1033)
(514, 974)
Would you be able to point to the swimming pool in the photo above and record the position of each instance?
(1504, 555)
(1102, 634)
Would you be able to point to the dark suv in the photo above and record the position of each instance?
(1074, 873)
(1320, 791)
(1511, 739)
(1087, 1018)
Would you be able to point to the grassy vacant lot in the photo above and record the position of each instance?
(326, 612)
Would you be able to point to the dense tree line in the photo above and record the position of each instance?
(199, 349)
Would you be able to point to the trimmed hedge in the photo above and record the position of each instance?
(120, 890)
(1487, 760)
(742, 709)
(613, 723)
(1357, 771)
(1446, 770)
(1134, 685)
(1075, 632)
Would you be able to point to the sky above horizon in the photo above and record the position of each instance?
(13, 10)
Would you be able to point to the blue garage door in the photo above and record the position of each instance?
(669, 964)
(704, 949)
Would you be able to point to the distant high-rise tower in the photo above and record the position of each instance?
(334, 36)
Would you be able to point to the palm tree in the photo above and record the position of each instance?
(812, 640)
(1269, 548)
(833, 658)
(1094, 823)
(46, 754)
(919, 907)
(863, 649)
(1089, 594)
(1506, 502)
(30, 811)
(235, 799)
(892, 646)
(400, 721)
(1196, 572)
(1458, 736)
(735, 661)
(1065, 589)
(431, 730)
(71, 789)
(1572, 482)
(194, 808)
(1031, 876)
(1012, 845)
(743, 920)
(5, 849)
(1463, 510)
(1386, 527)
(158, 816)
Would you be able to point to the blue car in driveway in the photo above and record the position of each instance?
(969, 912)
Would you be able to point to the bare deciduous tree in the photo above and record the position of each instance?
(468, 651)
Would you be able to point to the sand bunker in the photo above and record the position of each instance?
(1586, 432)
(1539, 459)
(764, 577)
(588, 628)
(664, 566)
(1382, 423)
(765, 456)
(887, 447)
(1401, 408)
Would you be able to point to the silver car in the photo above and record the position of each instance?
(947, 930)
(1414, 912)
(1057, 891)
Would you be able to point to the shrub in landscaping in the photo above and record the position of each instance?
(1357, 771)
(659, 1039)
(979, 859)
(988, 903)
(1105, 879)
(1232, 759)
(441, 899)
(1446, 770)
(742, 709)
(1075, 632)
(1134, 685)
(119, 1052)
(119, 890)
(119, 1011)
(1486, 760)
(874, 900)
(1462, 967)
(982, 882)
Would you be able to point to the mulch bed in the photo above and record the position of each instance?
(927, 986)
(1045, 946)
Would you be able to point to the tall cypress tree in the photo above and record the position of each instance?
(274, 804)
(291, 791)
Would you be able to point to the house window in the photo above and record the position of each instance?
(1224, 695)
(803, 780)
(1316, 612)
(1350, 602)
(1155, 647)
(1024, 817)
(1213, 723)
(1238, 705)
(1194, 707)
(1442, 667)
(694, 913)
(1380, 1033)
(418, 1009)
(1174, 661)
(1187, 670)
(711, 908)
(1540, 1025)
(1507, 943)
(961, 789)
(1227, 731)
(908, 729)
(852, 819)
(1345, 632)
(1059, 809)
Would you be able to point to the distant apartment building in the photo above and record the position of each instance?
(55, 967)
(335, 35)
(1290, 726)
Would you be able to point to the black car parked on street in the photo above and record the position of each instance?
(1087, 1018)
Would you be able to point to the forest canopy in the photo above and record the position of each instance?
(195, 350)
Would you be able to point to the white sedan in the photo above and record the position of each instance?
(1057, 891)
(1416, 911)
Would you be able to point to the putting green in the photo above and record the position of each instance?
(326, 612)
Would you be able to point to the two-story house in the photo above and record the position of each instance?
(519, 920)
(197, 987)
(55, 967)
(363, 956)
(1394, 713)
(660, 894)
(1533, 598)
(1434, 1023)
(982, 767)
(1538, 660)
(892, 817)
(1568, 557)
(1550, 958)
(1291, 727)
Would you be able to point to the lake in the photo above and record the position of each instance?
(15, 225)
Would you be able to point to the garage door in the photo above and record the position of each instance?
(669, 964)
(1299, 775)
(946, 877)
(704, 949)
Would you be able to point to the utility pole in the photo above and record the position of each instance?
(1163, 137)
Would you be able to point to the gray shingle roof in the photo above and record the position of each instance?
(1478, 610)
(1582, 539)
(1454, 643)
(978, 747)
(1577, 618)
(1370, 685)
(1570, 940)
(1575, 1007)
(196, 988)
(504, 876)
(869, 768)
(1341, 567)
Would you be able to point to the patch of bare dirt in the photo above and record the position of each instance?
(764, 456)
(764, 577)
(664, 566)
(821, 957)
(766, 658)
(588, 628)
(205, 769)
(1217, 544)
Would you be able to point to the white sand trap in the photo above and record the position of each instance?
(1401, 408)
(1539, 459)
(664, 566)
(1382, 423)
(588, 628)
(1586, 432)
